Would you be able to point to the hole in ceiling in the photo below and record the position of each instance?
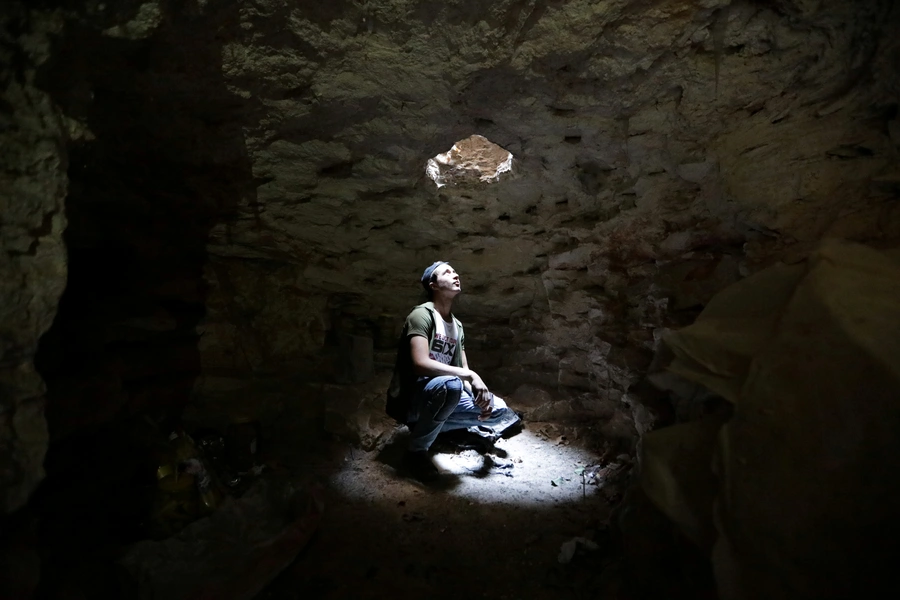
(474, 159)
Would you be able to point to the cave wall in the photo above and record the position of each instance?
(663, 150)
(123, 114)
(248, 187)
(164, 160)
(33, 267)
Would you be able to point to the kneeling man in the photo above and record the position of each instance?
(433, 388)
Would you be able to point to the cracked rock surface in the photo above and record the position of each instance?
(33, 267)
(252, 173)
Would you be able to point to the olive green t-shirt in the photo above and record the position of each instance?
(420, 321)
(445, 341)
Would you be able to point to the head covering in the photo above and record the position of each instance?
(426, 276)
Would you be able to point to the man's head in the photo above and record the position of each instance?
(440, 278)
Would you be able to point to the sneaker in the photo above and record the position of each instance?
(419, 466)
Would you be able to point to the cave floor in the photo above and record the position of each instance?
(493, 527)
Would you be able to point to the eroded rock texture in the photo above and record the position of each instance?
(33, 265)
(662, 151)
(249, 192)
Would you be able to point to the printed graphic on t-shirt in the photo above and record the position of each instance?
(445, 341)
(443, 348)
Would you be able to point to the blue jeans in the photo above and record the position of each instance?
(444, 404)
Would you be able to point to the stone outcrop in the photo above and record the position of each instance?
(789, 486)
(33, 264)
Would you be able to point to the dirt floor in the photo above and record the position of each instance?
(539, 516)
(495, 526)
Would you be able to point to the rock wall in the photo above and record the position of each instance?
(249, 178)
(662, 151)
(33, 264)
(163, 159)
(248, 210)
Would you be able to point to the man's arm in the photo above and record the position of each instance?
(425, 365)
(465, 364)
(485, 401)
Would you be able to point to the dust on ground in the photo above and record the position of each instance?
(492, 527)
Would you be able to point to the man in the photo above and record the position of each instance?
(433, 388)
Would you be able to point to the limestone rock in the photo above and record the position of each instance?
(528, 397)
(256, 170)
(795, 349)
(635, 144)
(357, 414)
(143, 24)
(33, 268)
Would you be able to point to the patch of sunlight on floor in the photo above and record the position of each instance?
(526, 470)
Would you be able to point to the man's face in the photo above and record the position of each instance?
(446, 281)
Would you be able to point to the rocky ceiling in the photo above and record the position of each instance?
(246, 179)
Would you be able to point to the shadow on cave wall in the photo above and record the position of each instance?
(164, 162)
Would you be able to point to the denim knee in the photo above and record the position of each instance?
(452, 390)
(454, 384)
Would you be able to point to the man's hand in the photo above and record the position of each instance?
(481, 393)
(489, 410)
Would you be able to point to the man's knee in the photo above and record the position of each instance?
(445, 383)
(450, 390)
(454, 384)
